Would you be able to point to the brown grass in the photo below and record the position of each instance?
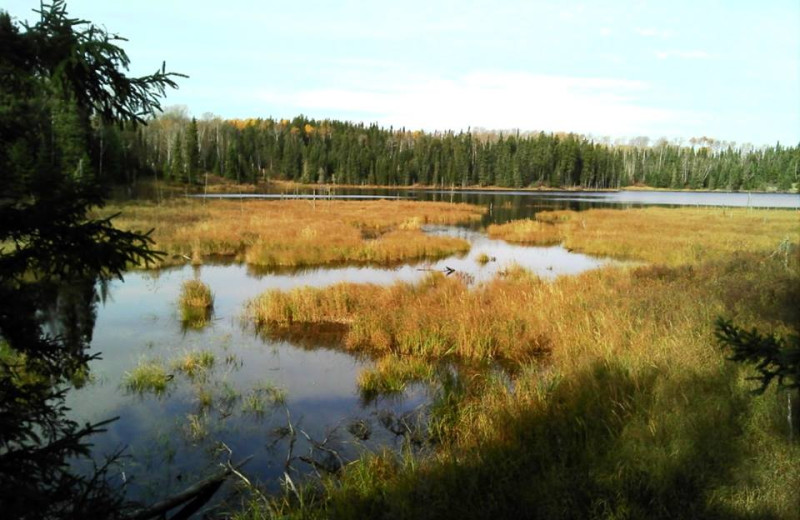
(619, 405)
(196, 304)
(530, 232)
(667, 236)
(616, 312)
(293, 233)
(518, 317)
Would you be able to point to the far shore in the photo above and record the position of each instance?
(217, 184)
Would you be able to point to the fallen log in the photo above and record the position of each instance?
(205, 487)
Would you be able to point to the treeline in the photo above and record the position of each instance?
(181, 149)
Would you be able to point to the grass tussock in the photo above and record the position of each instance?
(149, 376)
(483, 259)
(196, 303)
(196, 428)
(528, 231)
(294, 233)
(194, 362)
(390, 375)
(263, 397)
(669, 236)
(619, 403)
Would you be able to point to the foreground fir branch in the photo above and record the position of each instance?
(776, 358)
(63, 82)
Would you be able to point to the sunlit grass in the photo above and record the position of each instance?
(292, 233)
(196, 303)
(436, 318)
(616, 401)
(390, 375)
(531, 232)
(670, 236)
(483, 258)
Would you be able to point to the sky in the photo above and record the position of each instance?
(726, 69)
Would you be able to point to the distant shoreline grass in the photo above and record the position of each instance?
(295, 233)
(671, 236)
(220, 185)
(617, 403)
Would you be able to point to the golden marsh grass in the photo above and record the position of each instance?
(619, 404)
(670, 236)
(194, 362)
(196, 304)
(528, 231)
(292, 233)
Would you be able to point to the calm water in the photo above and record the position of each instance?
(510, 205)
(173, 439)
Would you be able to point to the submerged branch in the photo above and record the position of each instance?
(200, 488)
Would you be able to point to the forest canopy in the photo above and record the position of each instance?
(179, 148)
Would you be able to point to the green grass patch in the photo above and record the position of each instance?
(263, 398)
(391, 375)
(149, 376)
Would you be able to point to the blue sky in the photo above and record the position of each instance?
(675, 69)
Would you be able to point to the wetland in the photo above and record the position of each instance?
(322, 364)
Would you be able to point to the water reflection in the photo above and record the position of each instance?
(200, 418)
(545, 262)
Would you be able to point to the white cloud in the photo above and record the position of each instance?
(491, 99)
(685, 55)
(652, 32)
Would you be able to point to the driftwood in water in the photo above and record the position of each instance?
(198, 493)
(447, 270)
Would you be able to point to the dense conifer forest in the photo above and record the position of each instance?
(178, 148)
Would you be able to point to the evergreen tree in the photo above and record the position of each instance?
(192, 151)
(177, 165)
(55, 77)
(313, 151)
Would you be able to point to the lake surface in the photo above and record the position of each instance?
(178, 437)
(505, 205)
